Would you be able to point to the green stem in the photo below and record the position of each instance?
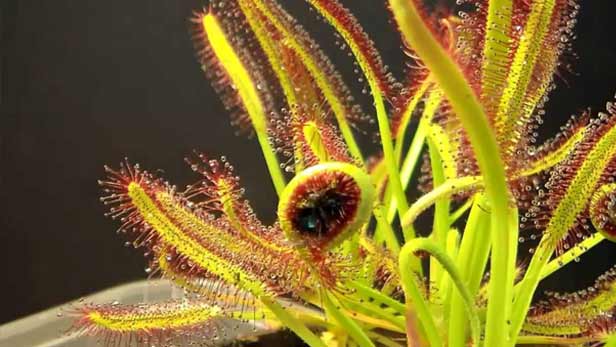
(414, 153)
(457, 214)
(318, 318)
(554, 341)
(472, 257)
(308, 316)
(467, 108)
(408, 167)
(480, 251)
(390, 160)
(572, 254)
(383, 340)
(440, 226)
(415, 302)
(446, 189)
(514, 108)
(406, 117)
(350, 326)
(453, 244)
(273, 165)
(373, 310)
(568, 257)
(412, 156)
(292, 323)
(513, 243)
(385, 230)
(530, 282)
(377, 296)
(426, 245)
(313, 317)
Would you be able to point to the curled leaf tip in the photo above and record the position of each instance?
(325, 204)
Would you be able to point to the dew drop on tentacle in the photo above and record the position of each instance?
(325, 204)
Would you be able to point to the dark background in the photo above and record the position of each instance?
(86, 83)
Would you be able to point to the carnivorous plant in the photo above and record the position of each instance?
(345, 264)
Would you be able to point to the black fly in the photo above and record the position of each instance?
(317, 218)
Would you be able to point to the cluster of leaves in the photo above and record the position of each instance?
(343, 265)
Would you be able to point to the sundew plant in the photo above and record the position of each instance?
(345, 264)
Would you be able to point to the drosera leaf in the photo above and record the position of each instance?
(160, 324)
(301, 93)
(162, 219)
(271, 46)
(312, 137)
(574, 181)
(219, 190)
(190, 245)
(368, 58)
(212, 291)
(601, 215)
(446, 150)
(295, 61)
(220, 53)
(325, 204)
(322, 72)
(471, 113)
(496, 46)
(531, 71)
(571, 187)
(557, 149)
(370, 63)
(584, 313)
(521, 44)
